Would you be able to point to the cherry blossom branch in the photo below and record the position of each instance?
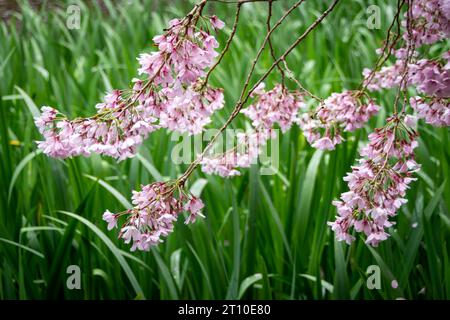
(272, 50)
(228, 43)
(258, 55)
(292, 47)
(384, 57)
(175, 95)
(195, 13)
(245, 96)
(302, 88)
(409, 54)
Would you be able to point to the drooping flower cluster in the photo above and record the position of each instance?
(430, 21)
(388, 76)
(172, 95)
(116, 136)
(277, 106)
(242, 155)
(435, 111)
(377, 184)
(346, 111)
(185, 103)
(156, 208)
(429, 24)
(429, 77)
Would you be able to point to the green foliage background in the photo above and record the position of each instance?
(264, 236)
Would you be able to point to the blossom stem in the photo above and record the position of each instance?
(302, 88)
(384, 56)
(245, 96)
(272, 50)
(228, 43)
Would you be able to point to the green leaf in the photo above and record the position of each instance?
(19, 169)
(150, 168)
(165, 273)
(114, 250)
(21, 246)
(248, 282)
(198, 186)
(29, 102)
(326, 285)
(434, 202)
(111, 190)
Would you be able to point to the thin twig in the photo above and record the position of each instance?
(292, 47)
(384, 57)
(409, 54)
(272, 50)
(228, 43)
(302, 88)
(244, 97)
(261, 49)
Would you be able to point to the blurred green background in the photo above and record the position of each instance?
(264, 236)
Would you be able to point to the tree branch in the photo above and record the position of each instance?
(244, 97)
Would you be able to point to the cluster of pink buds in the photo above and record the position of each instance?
(116, 135)
(184, 102)
(156, 208)
(172, 95)
(277, 106)
(431, 78)
(243, 155)
(345, 111)
(386, 78)
(435, 111)
(378, 183)
(430, 21)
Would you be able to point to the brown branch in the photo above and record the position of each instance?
(383, 58)
(292, 47)
(261, 49)
(409, 54)
(228, 43)
(302, 88)
(272, 50)
(244, 97)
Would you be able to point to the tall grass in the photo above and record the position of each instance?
(264, 236)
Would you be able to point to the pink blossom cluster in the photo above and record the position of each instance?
(172, 95)
(118, 136)
(377, 184)
(243, 155)
(431, 78)
(184, 102)
(156, 208)
(430, 21)
(185, 110)
(435, 111)
(276, 106)
(386, 78)
(345, 111)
